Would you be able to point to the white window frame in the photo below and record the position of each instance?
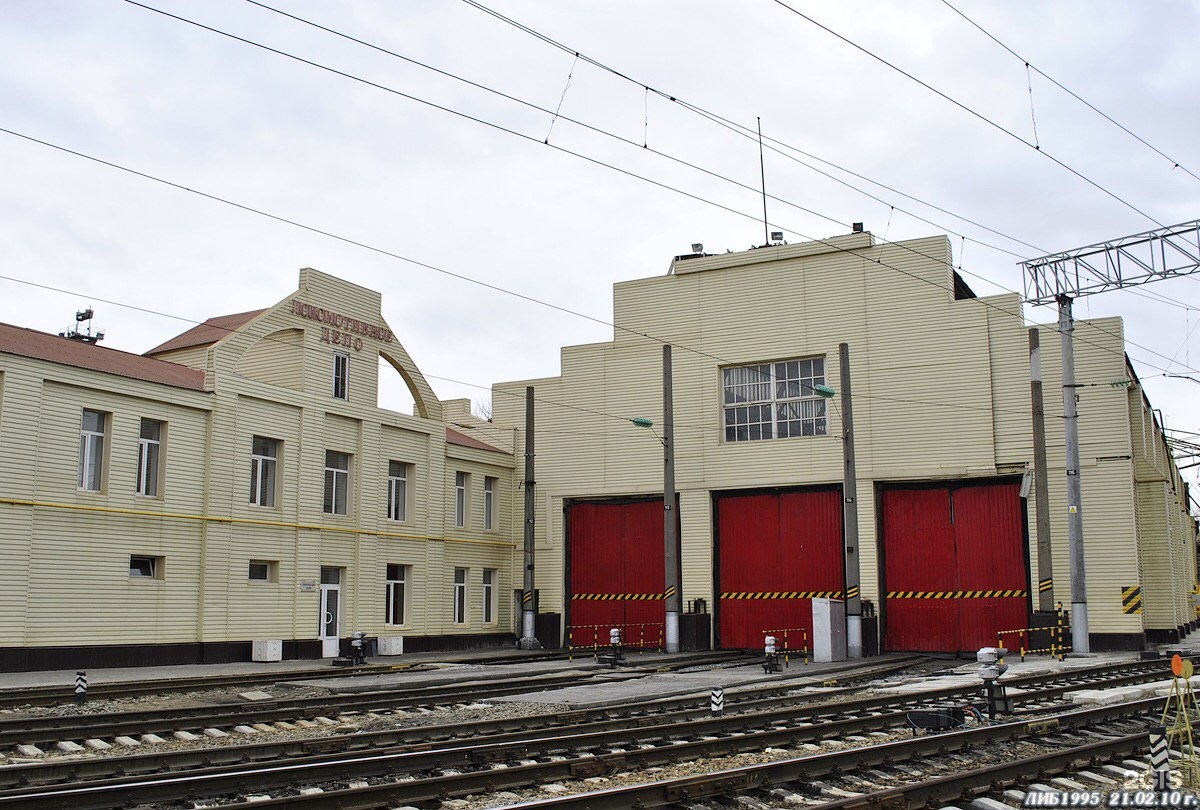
(262, 467)
(462, 483)
(91, 452)
(397, 491)
(330, 504)
(460, 596)
(396, 577)
(489, 595)
(149, 466)
(489, 502)
(341, 375)
(774, 400)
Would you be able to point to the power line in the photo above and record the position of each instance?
(783, 149)
(969, 110)
(774, 144)
(526, 137)
(557, 114)
(1175, 164)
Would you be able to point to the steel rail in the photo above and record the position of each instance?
(223, 781)
(669, 793)
(936, 792)
(34, 730)
(594, 720)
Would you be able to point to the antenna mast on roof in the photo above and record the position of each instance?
(762, 168)
(89, 336)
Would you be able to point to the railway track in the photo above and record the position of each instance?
(509, 759)
(39, 730)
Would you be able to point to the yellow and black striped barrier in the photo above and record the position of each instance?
(1045, 585)
(1024, 638)
(955, 594)
(782, 595)
(1131, 599)
(642, 635)
(852, 592)
(783, 645)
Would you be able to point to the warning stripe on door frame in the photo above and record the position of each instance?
(612, 597)
(782, 595)
(954, 594)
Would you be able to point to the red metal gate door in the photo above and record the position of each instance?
(616, 577)
(954, 566)
(992, 578)
(919, 564)
(777, 551)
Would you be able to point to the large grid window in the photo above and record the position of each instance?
(337, 482)
(460, 596)
(773, 400)
(397, 594)
(489, 502)
(91, 451)
(264, 457)
(149, 453)
(397, 491)
(489, 595)
(341, 375)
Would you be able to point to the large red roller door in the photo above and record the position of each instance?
(616, 570)
(776, 552)
(955, 566)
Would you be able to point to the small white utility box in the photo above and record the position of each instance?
(267, 650)
(829, 630)
(391, 645)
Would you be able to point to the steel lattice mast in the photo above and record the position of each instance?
(1129, 261)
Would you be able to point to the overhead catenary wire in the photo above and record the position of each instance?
(1175, 164)
(460, 276)
(527, 137)
(997, 126)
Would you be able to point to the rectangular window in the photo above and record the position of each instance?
(264, 456)
(460, 499)
(263, 571)
(773, 400)
(489, 502)
(397, 491)
(341, 374)
(91, 450)
(489, 595)
(460, 596)
(146, 567)
(149, 452)
(337, 482)
(397, 594)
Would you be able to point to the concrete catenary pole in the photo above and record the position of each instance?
(1041, 478)
(854, 645)
(670, 536)
(1079, 618)
(528, 639)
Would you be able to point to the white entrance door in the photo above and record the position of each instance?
(331, 616)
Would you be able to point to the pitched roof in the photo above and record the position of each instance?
(43, 346)
(208, 332)
(463, 440)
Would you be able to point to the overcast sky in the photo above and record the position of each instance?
(126, 85)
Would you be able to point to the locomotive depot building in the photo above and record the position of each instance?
(239, 488)
(943, 443)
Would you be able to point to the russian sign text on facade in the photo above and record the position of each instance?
(342, 330)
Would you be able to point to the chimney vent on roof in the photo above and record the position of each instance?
(856, 227)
